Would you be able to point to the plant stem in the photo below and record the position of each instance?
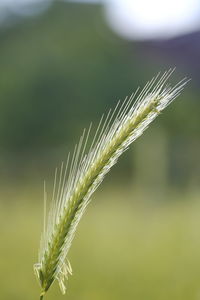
(42, 296)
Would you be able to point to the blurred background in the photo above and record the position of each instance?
(62, 65)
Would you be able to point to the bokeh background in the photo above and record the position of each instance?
(62, 65)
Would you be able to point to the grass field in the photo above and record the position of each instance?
(126, 247)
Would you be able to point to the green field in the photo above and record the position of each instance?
(126, 247)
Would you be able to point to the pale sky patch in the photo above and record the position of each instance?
(146, 19)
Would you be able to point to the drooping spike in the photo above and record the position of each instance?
(74, 184)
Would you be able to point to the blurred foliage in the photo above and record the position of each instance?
(58, 70)
(65, 68)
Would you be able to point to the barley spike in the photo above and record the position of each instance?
(75, 181)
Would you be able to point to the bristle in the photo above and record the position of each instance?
(79, 178)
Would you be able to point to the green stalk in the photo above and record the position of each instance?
(87, 172)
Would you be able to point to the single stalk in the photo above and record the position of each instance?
(87, 171)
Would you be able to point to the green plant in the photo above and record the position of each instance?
(83, 173)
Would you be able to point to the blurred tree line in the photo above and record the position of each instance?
(65, 68)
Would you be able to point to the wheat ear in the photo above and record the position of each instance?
(76, 181)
